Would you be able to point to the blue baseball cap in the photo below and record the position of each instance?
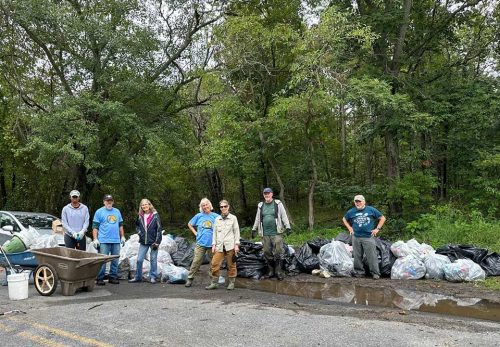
(267, 190)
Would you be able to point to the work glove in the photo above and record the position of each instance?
(81, 234)
(288, 231)
(154, 246)
(74, 235)
(254, 232)
(96, 243)
(122, 241)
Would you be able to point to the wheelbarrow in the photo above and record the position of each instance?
(74, 268)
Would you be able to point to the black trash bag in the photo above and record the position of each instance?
(343, 237)
(290, 264)
(385, 257)
(250, 262)
(491, 264)
(454, 252)
(316, 244)
(188, 257)
(182, 246)
(307, 260)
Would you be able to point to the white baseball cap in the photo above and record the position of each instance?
(74, 193)
(359, 197)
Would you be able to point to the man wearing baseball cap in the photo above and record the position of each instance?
(75, 220)
(108, 234)
(360, 221)
(272, 222)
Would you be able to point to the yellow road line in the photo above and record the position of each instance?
(63, 333)
(40, 340)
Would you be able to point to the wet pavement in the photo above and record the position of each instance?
(382, 297)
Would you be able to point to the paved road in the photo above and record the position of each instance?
(164, 314)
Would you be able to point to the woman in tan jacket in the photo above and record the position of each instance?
(225, 244)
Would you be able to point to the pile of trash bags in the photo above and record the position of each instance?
(453, 263)
(399, 260)
(167, 251)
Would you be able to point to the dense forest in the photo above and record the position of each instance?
(176, 100)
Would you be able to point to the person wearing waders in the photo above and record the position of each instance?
(360, 221)
(271, 222)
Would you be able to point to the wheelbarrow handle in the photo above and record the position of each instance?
(91, 261)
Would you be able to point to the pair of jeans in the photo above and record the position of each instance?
(153, 256)
(109, 249)
(217, 260)
(199, 253)
(367, 246)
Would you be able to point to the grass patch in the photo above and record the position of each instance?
(451, 226)
(492, 283)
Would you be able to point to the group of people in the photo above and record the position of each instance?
(217, 236)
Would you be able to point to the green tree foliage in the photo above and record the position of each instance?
(321, 100)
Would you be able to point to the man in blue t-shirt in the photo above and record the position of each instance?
(360, 221)
(108, 234)
(204, 224)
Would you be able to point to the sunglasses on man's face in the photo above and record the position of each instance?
(75, 197)
(225, 206)
(357, 200)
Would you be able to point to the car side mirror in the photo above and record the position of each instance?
(9, 228)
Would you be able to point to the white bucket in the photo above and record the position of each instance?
(18, 286)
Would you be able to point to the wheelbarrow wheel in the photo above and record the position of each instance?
(46, 279)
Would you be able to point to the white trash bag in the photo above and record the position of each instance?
(164, 257)
(334, 258)
(173, 274)
(400, 249)
(407, 268)
(464, 270)
(45, 241)
(434, 264)
(168, 244)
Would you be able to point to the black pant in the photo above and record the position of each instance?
(70, 242)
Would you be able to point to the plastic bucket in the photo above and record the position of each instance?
(15, 245)
(18, 286)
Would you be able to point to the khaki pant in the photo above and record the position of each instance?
(199, 253)
(217, 262)
(273, 247)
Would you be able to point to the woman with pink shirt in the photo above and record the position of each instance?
(149, 229)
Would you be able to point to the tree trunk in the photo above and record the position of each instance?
(392, 154)
(369, 162)
(215, 185)
(3, 189)
(282, 188)
(312, 186)
(343, 141)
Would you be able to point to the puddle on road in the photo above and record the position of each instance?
(368, 296)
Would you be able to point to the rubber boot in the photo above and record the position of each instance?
(270, 270)
(213, 285)
(189, 282)
(230, 286)
(278, 270)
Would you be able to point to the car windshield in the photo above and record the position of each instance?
(37, 222)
